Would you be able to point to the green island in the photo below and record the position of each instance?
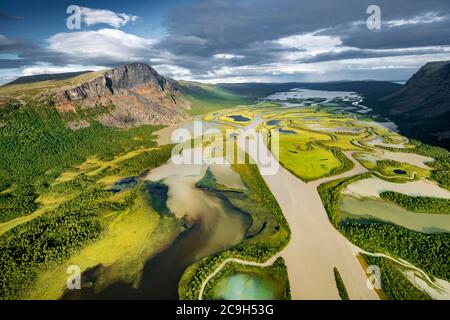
(340, 285)
(418, 204)
(395, 285)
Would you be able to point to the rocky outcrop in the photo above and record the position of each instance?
(78, 124)
(130, 95)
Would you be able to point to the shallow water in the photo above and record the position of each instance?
(124, 184)
(212, 224)
(307, 94)
(318, 126)
(226, 176)
(246, 286)
(372, 187)
(411, 158)
(379, 141)
(369, 209)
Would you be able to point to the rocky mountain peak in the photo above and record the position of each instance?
(130, 95)
(135, 75)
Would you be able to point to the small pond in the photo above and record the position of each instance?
(286, 131)
(246, 286)
(239, 118)
(124, 184)
(273, 122)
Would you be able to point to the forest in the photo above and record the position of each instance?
(340, 285)
(35, 148)
(418, 204)
(394, 285)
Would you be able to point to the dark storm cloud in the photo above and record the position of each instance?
(368, 53)
(250, 29)
(27, 52)
(181, 44)
(14, 63)
(433, 34)
(219, 38)
(229, 25)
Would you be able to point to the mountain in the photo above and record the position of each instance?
(135, 94)
(425, 95)
(127, 96)
(421, 108)
(47, 77)
(369, 88)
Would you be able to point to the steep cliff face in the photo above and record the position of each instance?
(130, 95)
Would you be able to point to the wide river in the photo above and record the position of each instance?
(314, 250)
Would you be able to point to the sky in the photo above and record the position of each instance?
(227, 40)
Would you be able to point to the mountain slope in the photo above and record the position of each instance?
(205, 98)
(426, 94)
(421, 108)
(123, 97)
(126, 96)
(134, 94)
(46, 77)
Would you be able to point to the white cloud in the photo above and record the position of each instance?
(347, 69)
(310, 41)
(49, 69)
(309, 45)
(173, 71)
(110, 44)
(228, 56)
(429, 17)
(96, 16)
(7, 75)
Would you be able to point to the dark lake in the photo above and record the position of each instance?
(239, 118)
(273, 122)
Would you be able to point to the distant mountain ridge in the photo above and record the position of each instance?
(369, 88)
(46, 77)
